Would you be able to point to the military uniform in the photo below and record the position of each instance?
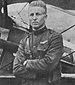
(43, 50)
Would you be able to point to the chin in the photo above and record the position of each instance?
(36, 27)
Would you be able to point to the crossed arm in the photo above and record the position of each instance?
(52, 57)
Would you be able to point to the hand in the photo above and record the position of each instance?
(25, 62)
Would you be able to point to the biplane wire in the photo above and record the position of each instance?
(21, 18)
(23, 8)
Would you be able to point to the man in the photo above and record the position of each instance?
(37, 60)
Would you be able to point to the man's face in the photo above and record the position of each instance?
(37, 17)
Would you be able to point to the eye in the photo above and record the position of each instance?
(38, 14)
(32, 14)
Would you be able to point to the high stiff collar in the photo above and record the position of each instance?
(40, 31)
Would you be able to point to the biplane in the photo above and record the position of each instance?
(13, 29)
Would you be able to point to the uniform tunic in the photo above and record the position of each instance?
(43, 49)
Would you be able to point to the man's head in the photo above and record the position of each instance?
(37, 14)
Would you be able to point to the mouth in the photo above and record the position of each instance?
(35, 23)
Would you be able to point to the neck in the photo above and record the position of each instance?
(34, 29)
(40, 31)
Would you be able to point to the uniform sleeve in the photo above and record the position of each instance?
(19, 59)
(19, 69)
(51, 58)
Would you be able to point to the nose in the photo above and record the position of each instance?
(34, 17)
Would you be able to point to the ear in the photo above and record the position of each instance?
(45, 16)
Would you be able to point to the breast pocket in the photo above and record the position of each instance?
(43, 46)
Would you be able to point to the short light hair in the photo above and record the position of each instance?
(38, 3)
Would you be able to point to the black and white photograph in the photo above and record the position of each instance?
(37, 42)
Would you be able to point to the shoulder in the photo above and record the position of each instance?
(54, 36)
(25, 36)
(54, 33)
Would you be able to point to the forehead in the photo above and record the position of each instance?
(36, 9)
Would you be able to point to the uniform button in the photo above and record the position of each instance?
(30, 56)
(39, 57)
(34, 46)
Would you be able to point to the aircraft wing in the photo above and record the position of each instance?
(65, 4)
(69, 45)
